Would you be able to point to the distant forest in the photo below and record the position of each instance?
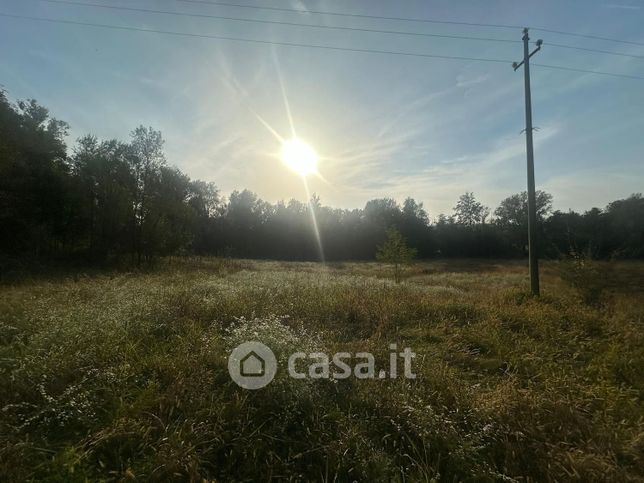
(113, 200)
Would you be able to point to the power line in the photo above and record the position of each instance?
(403, 19)
(302, 45)
(255, 41)
(351, 15)
(275, 22)
(583, 36)
(329, 27)
(612, 74)
(562, 46)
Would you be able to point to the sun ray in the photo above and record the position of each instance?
(267, 125)
(314, 220)
(284, 96)
(242, 97)
(295, 153)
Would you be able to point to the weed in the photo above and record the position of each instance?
(122, 376)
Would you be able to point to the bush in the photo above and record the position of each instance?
(396, 252)
(586, 276)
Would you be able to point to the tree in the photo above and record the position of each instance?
(396, 252)
(625, 224)
(109, 199)
(33, 179)
(470, 212)
(207, 213)
(105, 185)
(147, 159)
(382, 212)
(512, 219)
(169, 224)
(513, 211)
(412, 210)
(414, 226)
(245, 217)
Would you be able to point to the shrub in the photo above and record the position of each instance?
(395, 252)
(585, 275)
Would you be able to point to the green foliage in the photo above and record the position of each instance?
(104, 202)
(107, 201)
(396, 252)
(513, 211)
(123, 375)
(470, 212)
(586, 276)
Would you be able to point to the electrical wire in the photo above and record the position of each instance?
(350, 15)
(585, 36)
(303, 45)
(404, 19)
(255, 41)
(562, 46)
(326, 27)
(584, 71)
(276, 22)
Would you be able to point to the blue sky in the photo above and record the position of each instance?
(383, 125)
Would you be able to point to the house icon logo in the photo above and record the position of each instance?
(252, 365)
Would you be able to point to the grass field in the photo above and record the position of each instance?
(123, 376)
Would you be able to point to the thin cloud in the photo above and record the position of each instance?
(462, 81)
(622, 7)
(440, 184)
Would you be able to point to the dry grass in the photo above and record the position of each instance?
(123, 375)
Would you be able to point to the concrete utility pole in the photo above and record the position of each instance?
(532, 208)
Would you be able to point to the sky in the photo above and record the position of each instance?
(382, 125)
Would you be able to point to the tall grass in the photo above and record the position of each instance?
(123, 375)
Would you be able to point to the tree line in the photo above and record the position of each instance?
(108, 199)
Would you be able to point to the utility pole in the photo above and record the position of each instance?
(532, 208)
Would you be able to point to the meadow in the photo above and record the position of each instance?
(122, 375)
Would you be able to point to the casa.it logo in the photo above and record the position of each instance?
(252, 365)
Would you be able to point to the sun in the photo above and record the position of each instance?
(299, 156)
